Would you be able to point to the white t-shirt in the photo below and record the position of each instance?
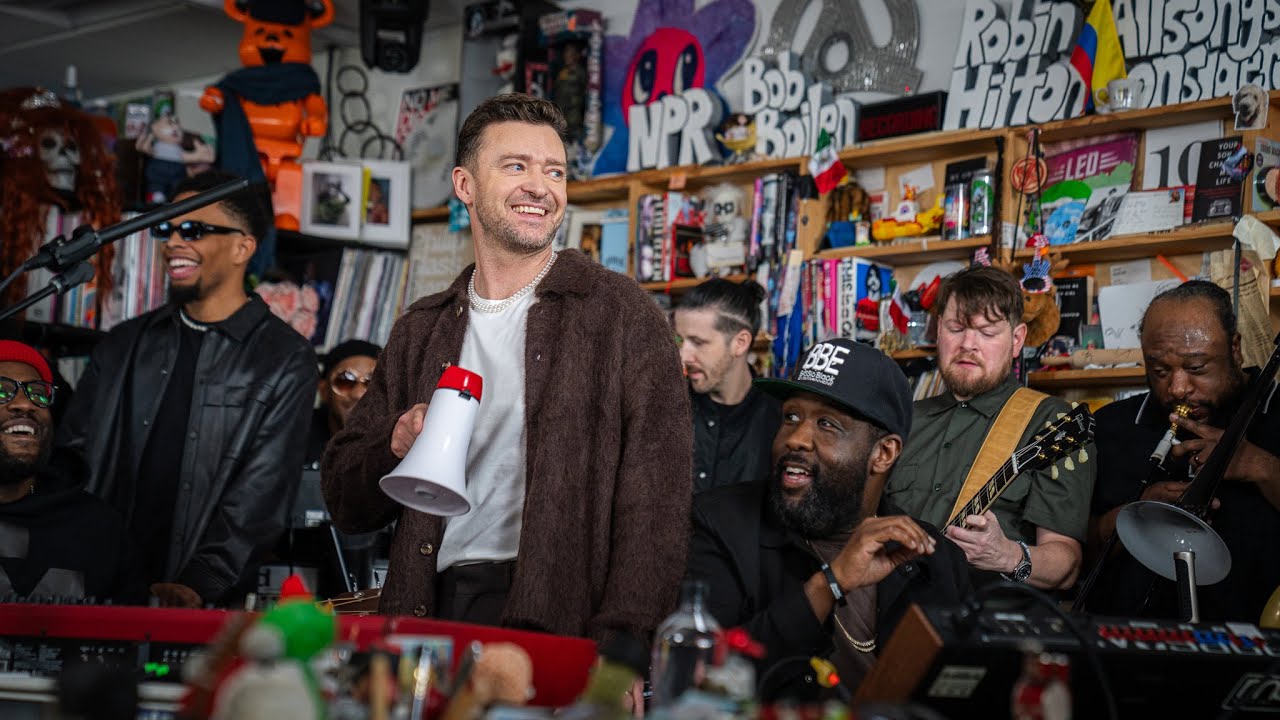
(494, 348)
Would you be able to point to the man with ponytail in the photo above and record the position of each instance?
(733, 422)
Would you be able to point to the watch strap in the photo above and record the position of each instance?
(836, 592)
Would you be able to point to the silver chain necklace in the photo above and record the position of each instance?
(480, 304)
(182, 314)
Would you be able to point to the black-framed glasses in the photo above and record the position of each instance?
(39, 392)
(190, 230)
(346, 381)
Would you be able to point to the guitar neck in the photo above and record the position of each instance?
(986, 495)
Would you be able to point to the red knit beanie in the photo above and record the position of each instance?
(14, 351)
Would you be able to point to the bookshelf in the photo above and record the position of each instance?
(911, 250)
(679, 285)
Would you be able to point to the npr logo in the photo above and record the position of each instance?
(825, 357)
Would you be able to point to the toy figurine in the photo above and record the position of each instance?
(265, 110)
(738, 134)
(276, 682)
(908, 220)
(724, 247)
(171, 153)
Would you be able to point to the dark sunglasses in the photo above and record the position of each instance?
(347, 380)
(190, 230)
(39, 392)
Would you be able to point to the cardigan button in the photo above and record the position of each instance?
(426, 548)
(420, 611)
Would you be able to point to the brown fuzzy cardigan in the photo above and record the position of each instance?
(609, 449)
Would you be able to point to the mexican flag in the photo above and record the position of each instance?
(899, 311)
(825, 165)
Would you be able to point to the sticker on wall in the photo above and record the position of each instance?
(660, 82)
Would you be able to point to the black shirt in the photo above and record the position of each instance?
(1126, 433)
(317, 438)
(733, 443)
(160, 467)
(61, 541)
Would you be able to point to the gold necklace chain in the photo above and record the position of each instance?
(862, 646)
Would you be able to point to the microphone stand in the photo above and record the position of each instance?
(1156, 471)
(66, 256)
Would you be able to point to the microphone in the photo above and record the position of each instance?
(1170, 436)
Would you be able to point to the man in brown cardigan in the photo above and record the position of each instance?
(579, 466)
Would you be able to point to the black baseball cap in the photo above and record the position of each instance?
(856, 377)
(348, 349)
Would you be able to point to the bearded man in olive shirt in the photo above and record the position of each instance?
(1035, 530)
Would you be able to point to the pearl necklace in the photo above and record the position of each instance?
(191, 323)
(480, 304)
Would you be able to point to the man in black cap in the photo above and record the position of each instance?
(809, 561)
(344, 376)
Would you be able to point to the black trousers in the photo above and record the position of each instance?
(475, 593)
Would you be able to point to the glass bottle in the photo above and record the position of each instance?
(1042, 692)
(684, 646)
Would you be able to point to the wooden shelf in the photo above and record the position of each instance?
(1179, 241)
(679, 285)
(435, 214)
(1103, 377)
(1275, 291)
(921, 147)
(914, 354)
(611, 187)
(911, 250)
(702, 175)
(1144, 119)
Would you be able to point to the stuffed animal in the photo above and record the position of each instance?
(264, 111)
(1039, 295)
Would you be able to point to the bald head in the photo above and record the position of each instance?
(1191, 356)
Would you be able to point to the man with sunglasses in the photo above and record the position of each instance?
(56, 540)
(344, 376)
(193, 417)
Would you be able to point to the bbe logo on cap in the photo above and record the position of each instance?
(822, 364)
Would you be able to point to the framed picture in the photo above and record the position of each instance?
(387, 196)
(331, 199)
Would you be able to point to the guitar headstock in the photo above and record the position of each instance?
(1063, 437)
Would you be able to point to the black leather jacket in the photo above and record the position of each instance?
(255, 384)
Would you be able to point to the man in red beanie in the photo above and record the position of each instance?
(56, 540)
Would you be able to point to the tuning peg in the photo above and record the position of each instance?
(1084, 456)
(1066, 462)
(1061, 415)
(1074, 404)
(1053, 471)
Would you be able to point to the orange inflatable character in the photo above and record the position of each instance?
(265, 110)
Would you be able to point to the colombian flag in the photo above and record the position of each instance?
(1097, 55)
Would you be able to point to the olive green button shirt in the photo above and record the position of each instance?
(946, 435)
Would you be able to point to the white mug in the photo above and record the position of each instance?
(1120, 94)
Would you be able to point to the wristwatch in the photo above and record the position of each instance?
(1022, 572)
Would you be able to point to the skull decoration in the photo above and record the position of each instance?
(61, 157)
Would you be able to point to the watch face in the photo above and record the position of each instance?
(1022, 572)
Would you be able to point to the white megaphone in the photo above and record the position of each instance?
(432, 476)
(1153, 531)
